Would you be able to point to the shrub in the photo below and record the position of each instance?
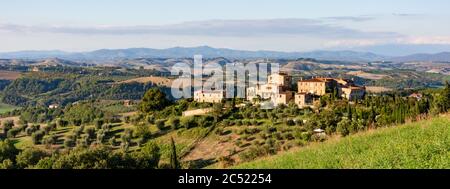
(343, 127)
(107, 127)
(112, 141)
(287, 136)
(205, 121)
(226, 123)
(277, 136)
(52, 126)
(30, 130)
(100, 136)
(113, 119)
(290, 122)
(148, 157)
(140, 141)
(150, 119)
(160, 124)
(62, 123)
(127, 119)
(30, 157)
(7, 164)
(37, 137)
(174, 123)
(124, 145)
(142, 131)
(225, 161)
(306, 136)
(23, 127)
(78, 131)
(128, 134)
(69, 143)
(7, 150)
(188, 122)
(99, 123)
(90, 132)
(47, 129)
(12, 133)
(7, 125)
(219, 131)
(238, 142)
(253, 153)
(49, 140)
(77, 122)
(318, 138)
(83, 142)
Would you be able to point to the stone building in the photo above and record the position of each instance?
(317, 86)
(276, 90)
(209, 96)
(283, 98)
(321, 86)
(304, 100)
(353, 92)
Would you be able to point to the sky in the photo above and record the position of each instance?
(281, 25)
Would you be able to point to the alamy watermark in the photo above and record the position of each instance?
(234, 79)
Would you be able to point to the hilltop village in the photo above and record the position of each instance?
(278, 91)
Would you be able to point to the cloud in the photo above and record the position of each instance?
(350, 18)
(407, 15)
(228, 28)
(421, 40)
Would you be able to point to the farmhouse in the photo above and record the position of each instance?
(417, 96)
(353, 92)
(316, 86)
(209, 96)
(304, 100)
(321, 86)
(275, 90)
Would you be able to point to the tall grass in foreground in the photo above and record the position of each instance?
(424, 144)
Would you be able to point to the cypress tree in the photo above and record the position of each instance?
(173, 156)
(446, 95)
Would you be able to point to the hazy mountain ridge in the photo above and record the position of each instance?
(105, 55)
(439, 57)
(181, 52)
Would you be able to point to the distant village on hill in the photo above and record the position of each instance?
(278, 91)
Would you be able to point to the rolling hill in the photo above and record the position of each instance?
(113, 55)
(423, 144)
(188, 52)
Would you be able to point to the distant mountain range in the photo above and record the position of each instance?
(209, 52)
(439, 57)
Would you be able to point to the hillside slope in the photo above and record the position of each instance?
(424, 144)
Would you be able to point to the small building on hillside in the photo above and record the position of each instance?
(417, 96)
(127, 103)
(353, 92)
(316, 86)
(322, 86)
(53, 106)
(209, 96)
(303, 100)
(281, 79)
(283, 98)
(276, 90)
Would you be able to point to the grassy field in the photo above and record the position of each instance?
(6, 108)
(9, 75)
(424, 144)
